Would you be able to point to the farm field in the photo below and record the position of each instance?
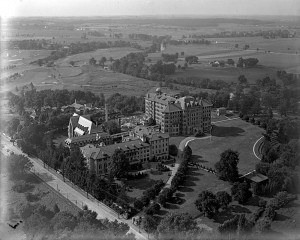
(83, 58)
(227, 74)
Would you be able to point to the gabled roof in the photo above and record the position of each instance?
(105, 151)
(172, 108)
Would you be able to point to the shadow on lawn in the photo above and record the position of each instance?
(171, 206)
(280, 217)
(238, 209)
(226, 131)
(141, 184)
(198, 159)
(185, 189)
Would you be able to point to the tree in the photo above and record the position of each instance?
(112, 127)
(56, 209)
(102, 61)
(187, 153)
(92, 61)
(227, 166)
(119, 164)
(207, 203)
(262, 167)
(138, 204)
(149, 223)
(242, 79)
(13, 126)
(241, 192)
(223, 198)
(153, 209)
(173, 150)
(263, 225)
(178, 225)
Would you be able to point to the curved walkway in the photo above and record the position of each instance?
(186, 141)
(254, 147)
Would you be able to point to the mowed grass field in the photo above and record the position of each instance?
(237, 135)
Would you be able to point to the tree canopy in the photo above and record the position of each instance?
(227, 166)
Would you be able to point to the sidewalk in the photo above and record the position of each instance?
(73, 193)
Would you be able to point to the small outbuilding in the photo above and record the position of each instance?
(255, 178)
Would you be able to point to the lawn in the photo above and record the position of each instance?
(197, 181)
(140, 185)
(235, 134)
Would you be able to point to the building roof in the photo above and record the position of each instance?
(160, 98)
(172, 108)
(255, 177)
(104, 151)
(89, 137)
(149, 132)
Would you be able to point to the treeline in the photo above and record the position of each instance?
(234, 34)
(30, 44)
(133, 64)
(190, 41)
(287, 78)
(96, 34)
(280, 157)
(169, 57)
(53, 98)
(126, 105)
(247, 62)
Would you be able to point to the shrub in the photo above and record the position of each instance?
(241, 192)
(270, 212)
(246, 118)
(253, 217)
(241, 115)
(252, 120)
(173, 150)
(262, 203)
(229, 226)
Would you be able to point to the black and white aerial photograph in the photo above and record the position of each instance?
(150, 120)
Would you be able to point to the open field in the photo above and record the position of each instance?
(83, 58)
(240, 136)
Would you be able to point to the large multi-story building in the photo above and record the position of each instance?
(177, 116)
(142, 145)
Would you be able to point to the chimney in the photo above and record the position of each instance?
(106, 113)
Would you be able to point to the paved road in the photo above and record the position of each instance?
(75, 196)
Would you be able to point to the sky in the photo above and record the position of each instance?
(148, 7)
